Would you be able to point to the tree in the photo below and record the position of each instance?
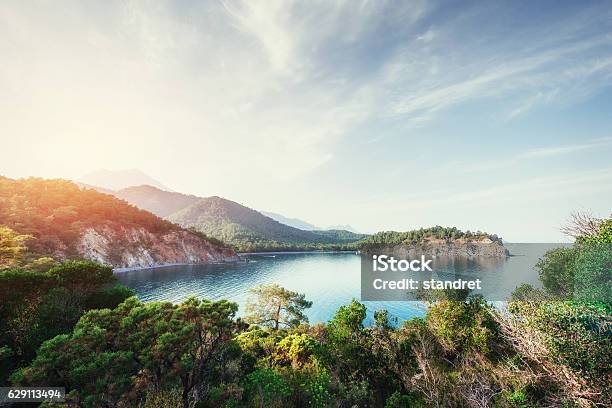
(120, 354)
(581, 224)
(275, 306)
(36, 306)
(557, 271)
(12, 247)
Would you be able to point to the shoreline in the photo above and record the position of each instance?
(294, 252)
(138, 268)
(240, 254)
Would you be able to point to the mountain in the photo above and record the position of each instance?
(119, 179)
(66, 221)
(344, 227)
(303, 225)
(240, 226)
(292, 222)
(159, 202)
(341, 235)
(250, 230)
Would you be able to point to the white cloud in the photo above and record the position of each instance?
(237, 97)
(568, 149)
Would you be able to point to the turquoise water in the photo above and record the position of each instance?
(329, 280)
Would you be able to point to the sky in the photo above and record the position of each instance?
(385, 115)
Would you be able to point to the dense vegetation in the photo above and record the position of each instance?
(248, 230)
(36, 306)
(547, 348)
(70, 324)
(391, 238)
(54, 213)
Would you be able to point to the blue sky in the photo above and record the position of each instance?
(383, 115)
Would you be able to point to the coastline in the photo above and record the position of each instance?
(138, 268)
(294, 252)
(240, 254)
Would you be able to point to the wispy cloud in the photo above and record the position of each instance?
(544, 74)
(527, 155)
(568, 149)
(277, 92)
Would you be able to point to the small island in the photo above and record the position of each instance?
(436, 242)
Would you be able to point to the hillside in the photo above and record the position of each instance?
(243, 228)
(247, 229)
(436, 241)
(66, 221)
(160, 202)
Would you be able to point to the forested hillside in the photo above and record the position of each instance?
(61, 220)
(248, 229)
(241, 227)
(432, 233)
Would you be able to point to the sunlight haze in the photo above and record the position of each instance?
(381, 115)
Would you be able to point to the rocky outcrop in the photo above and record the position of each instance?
(459, 248)
(138, 247)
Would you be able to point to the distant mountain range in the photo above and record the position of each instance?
(119, 179)
(345, 227)
(292, 222)
(160, 202)
(244, 228)
(248, 229)
(301, 224)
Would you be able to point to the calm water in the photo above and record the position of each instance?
(328, 279)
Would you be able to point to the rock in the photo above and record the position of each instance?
(136, 247)
(460, 248)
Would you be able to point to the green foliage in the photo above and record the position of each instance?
(36, 306)
(461, 326)
(603, 236)
(463, 353)
(295, 350)
(318, 390)
(578, 335)
(399, 400)
(392, 238)
(593, 273)
(275, 306)
(248, 230)
(347, 321)
(517, 398)
(41, 264)
(111, 353)
(572, 314)
(12, 247)
(557, 270)
(268, 386)
(163, 399)
(56, 212)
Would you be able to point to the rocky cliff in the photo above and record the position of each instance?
(137, 247)
(64, 221)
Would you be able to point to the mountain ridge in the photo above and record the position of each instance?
(242, 227)
(119, 179)
(248, 229)
(66, 221)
